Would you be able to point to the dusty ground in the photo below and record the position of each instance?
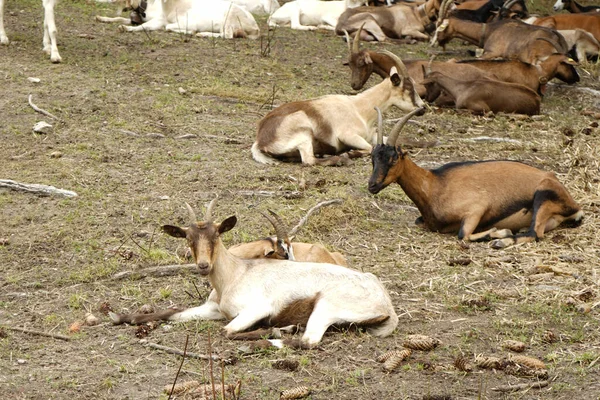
(59, 256)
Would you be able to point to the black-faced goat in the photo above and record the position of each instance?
(574, 7)
(331, 125)
(479, 200)
(50, 30)
(279, 292)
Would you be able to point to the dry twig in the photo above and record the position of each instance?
(161, 270)
(42, 190)
(39, 333)
(41, 110)
(521, 386)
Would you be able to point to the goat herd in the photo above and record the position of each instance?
(284, 283)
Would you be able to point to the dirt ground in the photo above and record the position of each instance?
(150, 121)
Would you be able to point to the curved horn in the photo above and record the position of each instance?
(379, 126)
(348, 41)
(208, 215)
(443, 11)
(429, 64)
(277, 223)
(393, 138)
(399, 64)
(556, 45)
(357, 39)
(507, 5)
(191, 214)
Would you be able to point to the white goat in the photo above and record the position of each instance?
(331, 125)
(49, 30)
(216, 19)
(257, 7)
(280, 293)
(309, 15)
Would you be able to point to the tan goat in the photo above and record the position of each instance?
(479, 200)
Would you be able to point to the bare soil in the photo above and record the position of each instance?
(150, 121)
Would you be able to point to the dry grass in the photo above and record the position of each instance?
(61, 253)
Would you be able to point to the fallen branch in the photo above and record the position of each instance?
(521, 386)
(41, 110)
(310, 212)
(287, 194)
(39, 333)
(162, 270)
(178, 352)
(42, 190)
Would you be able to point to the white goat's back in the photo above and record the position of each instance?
(258, 7)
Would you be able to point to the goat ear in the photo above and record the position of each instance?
(395, 77)
(268, 253)
(174, 231)
(228, 224)
(570, 61)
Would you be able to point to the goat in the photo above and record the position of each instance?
(479, 200)
(587, 22)
(582, 44)
(534, 77)
(394, 22)
(308, 15)
(258, 7)
(483, 95)
(282, 248)
(331, 125)
(364, 62)
(490, 10)
(511, 39)
(276, 292)
(222, 19)
(50, 42)
(574, 7)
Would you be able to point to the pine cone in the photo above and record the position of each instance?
(396, 359)
(514, 345)
(529, 362)
(385, 356)
(421, 342)
(295, 393)
(488, 362)
(462, 364)
(549, 337)
(526, 372)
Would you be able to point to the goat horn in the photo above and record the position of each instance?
(208, 215)
(556, 45)
(348, 41)
(192, 214)
(443, 11)
(399, 64)
(379, 126)
(429, 64)
(357, 39)
(277, 223)
(509, 4)
(393, 138)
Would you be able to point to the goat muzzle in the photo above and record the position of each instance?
(203, 268)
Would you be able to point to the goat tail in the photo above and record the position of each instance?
(261, 157)
(387, 327)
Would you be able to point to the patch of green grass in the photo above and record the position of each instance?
(77, 301)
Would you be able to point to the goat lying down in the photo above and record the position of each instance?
(331, 125)
(50, 30)
(309, 15)
(479, 200)
(278, 292)
(222, 19)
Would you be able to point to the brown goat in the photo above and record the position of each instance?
(509, 39)
(574, 7)
(364, 62)
(534, 77)
(587, 22)
(479, 200)
(483, 95)
(394, 22)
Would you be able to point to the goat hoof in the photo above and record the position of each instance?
(498, 244)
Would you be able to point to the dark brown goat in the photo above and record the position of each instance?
(478, 200)
(483, 95)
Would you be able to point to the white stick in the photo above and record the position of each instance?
(42, 190)
(41, 110)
